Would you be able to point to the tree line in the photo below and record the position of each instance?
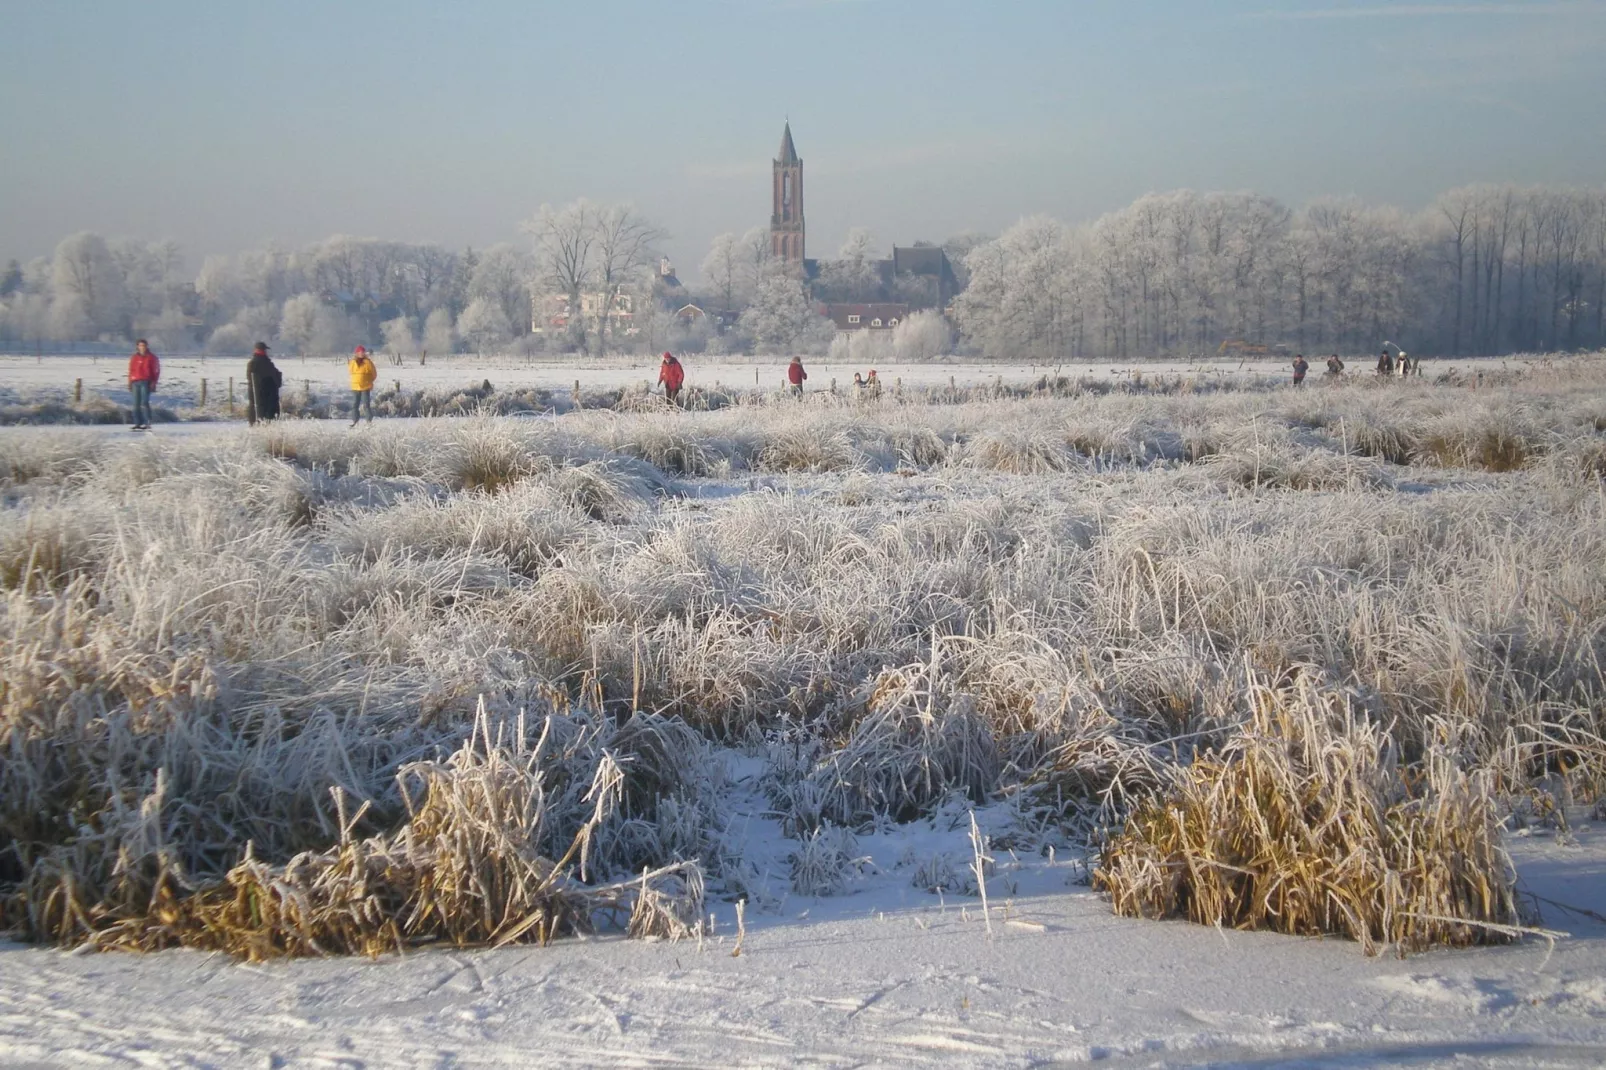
(1482, 270)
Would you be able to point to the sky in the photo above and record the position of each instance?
(226, 125)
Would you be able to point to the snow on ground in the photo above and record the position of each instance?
(882, 974)
(54, 376)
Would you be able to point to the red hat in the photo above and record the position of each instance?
(360, 351)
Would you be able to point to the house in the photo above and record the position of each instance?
(554, 312)
(882, 316)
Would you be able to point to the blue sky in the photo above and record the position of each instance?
(228, 124)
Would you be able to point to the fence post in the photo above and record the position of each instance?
(577, 393)
(203, 393)
(77, 391)
(833, 386)
(396, 384)
(231, 395)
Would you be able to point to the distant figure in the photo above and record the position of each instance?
(1385, 363)
(873, 386)
(858, 386)
(795, 375)
(1301, 366)
(1404, 363)
(363, 373)
(1335, 367)
(143, 372)
(262, 382)
(672, 375)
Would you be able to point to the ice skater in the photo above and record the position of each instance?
(143, 372)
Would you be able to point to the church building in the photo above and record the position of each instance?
(915, 277)
(786, 221)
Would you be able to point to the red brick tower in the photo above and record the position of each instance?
(786, 221)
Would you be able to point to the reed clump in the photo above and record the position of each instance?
(464, 868)
(1306, 822)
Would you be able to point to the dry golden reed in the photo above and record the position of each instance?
(1306, 823)
(462, 870)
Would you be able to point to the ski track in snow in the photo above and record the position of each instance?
(884, 975)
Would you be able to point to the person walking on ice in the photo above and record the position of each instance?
(1301, 366)
(143, 372)
(262, 382)
(795, 376)
(363, 373)
(672, 376)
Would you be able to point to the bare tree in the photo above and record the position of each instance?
(587, 248)
(722, 267)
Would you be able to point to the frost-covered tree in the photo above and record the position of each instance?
(722, 268)
(853, 275)
(758, 261)
(591, 249)
(439, 336)
(298, 323)
(399, 338)
(1022, 290)
(230, 340)
(25, 317)
(88, 287)
(484, 324)
(334, 332)
(925, 335)
(502, 277)
(782, 318)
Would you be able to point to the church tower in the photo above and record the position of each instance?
(786, 221)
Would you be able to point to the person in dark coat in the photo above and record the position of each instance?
(262, 382)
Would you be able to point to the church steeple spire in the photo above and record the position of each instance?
(786, 221)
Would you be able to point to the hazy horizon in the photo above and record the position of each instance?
(226, 127)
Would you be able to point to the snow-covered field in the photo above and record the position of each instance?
(885, 976)
(29, 377)
(879, 621)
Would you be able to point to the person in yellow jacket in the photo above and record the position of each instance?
(363, 374)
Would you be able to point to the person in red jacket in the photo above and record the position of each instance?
(672, 375)
(795, 375)
(143, 372)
